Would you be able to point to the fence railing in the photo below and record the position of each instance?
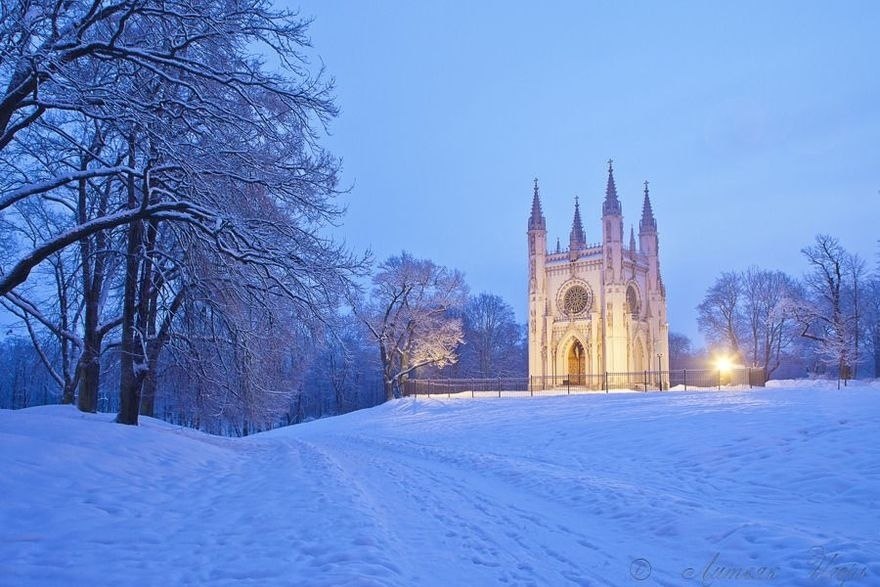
(677, 379)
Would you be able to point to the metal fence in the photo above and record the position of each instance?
(679, 379)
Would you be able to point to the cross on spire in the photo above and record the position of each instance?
(611, 205)
(577, 238)
(648, 223)
(536, 219)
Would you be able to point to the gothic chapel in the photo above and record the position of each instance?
(596, 308)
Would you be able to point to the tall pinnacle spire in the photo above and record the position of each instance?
(611, 205)
(632, 240)
(648, 223)
(577, 239)
(536, 220)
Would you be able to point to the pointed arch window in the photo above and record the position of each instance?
(632, 301)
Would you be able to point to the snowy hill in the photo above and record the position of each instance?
(706, 488)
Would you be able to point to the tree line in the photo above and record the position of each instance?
(165, 206)
(411, 317)
(826, 323)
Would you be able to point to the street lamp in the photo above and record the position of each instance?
(724, 365)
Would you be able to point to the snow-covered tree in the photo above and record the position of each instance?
(409, 315)
(830, 312)
(156, 125)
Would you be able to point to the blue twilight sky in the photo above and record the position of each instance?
(757, 124)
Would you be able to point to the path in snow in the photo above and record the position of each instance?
(587, 490)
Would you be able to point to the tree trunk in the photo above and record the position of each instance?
(67, 396)
(93, 265)
(129, 386)
(90, 360)
(148, 390)
(158, 336)
(389, 389)
(90, 373)
(387, 379)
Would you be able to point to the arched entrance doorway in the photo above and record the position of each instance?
(638, 356)
(577, 364)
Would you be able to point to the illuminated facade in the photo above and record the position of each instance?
(596, 308)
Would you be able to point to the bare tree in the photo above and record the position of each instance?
(409, 317)
(719, 315)
(24, 379)
(49, 307)
(768, 325)
(680, 350)
(221, 365)
(492, 338)
(829, 314)
(345, 374)
(747, 313)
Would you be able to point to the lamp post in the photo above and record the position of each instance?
(660, 370)
(724, 367)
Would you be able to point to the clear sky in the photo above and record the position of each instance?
(757, 124)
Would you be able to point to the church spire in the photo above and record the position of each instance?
(648, 224)
(577, 239)
(632, 240)
(536, 219)
(611, 205)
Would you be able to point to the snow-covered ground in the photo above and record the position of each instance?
(776, 486)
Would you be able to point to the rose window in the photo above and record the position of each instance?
(577, 299)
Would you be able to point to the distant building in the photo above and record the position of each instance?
(596, 308)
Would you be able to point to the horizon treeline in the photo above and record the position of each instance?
(825, 323)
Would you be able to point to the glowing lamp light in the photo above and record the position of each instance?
(724, 364)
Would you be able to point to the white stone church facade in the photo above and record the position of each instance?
(596, 308)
